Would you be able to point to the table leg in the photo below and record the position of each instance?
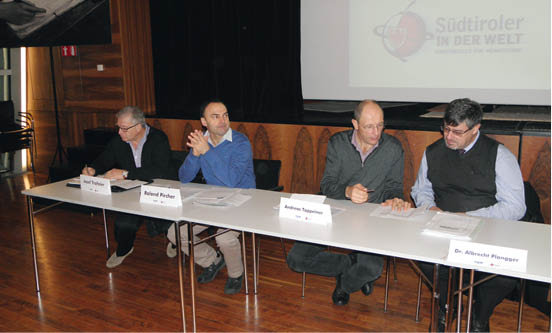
(521, 300)
(33, 243)
(255, 268)
(459, 309)
(245, 263)
(192, 273)
(435, 300)
(106, 234)
(180, 258)
(470, 300)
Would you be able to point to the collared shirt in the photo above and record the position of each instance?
(355, 143)
(509, 187)
(137, 152)
(227, 136)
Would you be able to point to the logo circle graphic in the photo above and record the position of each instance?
(403, 34)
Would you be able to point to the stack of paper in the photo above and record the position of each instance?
(451, 226)
(220, 198)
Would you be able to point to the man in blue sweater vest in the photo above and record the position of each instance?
(225, 158)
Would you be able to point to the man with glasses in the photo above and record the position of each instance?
(362, 165)
(469, 173)
(139, 152)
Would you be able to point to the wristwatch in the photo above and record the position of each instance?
(125, 174)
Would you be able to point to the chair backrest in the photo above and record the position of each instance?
(532, 201)
(267, 174)
(7, 116)
(177, 158)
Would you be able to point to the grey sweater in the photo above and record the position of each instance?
(382, 171)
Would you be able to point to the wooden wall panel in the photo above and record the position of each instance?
(302, 150)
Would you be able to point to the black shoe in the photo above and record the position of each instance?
(210, 272)
(233, 285)
(339, 296)
(478, 326)
(367, 288)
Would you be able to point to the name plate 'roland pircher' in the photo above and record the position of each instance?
(305, 211)
(158, 195)
(95, 184)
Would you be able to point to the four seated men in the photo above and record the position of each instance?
(465, 172)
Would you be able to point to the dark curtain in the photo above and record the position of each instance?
(244, 52)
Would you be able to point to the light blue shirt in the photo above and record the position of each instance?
(510, 194)
(137, 153)
(227, 136)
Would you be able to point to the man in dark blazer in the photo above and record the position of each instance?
(139, 152)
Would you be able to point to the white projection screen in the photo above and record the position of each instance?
(493, 51)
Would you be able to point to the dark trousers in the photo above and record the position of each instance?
(126, 226)
(315, 259)
(487, 294)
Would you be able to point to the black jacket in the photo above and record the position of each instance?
(155, 157)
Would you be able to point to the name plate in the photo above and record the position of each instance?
(158, 195)
(488, 255)
(305, 211)
(95, 184)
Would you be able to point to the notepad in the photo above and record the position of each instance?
(116, 185)
(54, 9)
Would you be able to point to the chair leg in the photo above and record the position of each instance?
(283, 248)
(387, 266)
(303, 280)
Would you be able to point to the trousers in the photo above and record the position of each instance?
(315, 259)
(204, 254)
(487, 295)
(126, 226)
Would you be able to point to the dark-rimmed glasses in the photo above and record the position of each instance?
(125, 129)
(446, 129)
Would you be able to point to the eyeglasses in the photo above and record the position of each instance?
(446, 129)
(379, 127)
(125, 129)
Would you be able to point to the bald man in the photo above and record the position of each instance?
(362, 165)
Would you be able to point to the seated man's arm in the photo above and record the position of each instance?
(189, 169)
(510, 195)
(106, 160)
(330, 185)
(422, 191)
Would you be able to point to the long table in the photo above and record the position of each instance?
(353, 228)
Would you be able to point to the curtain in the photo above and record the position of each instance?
(243, 52)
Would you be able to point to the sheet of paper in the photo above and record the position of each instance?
(308, 197)
(420, 213)
(453, 226)
(235, 199)
(187, 193)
